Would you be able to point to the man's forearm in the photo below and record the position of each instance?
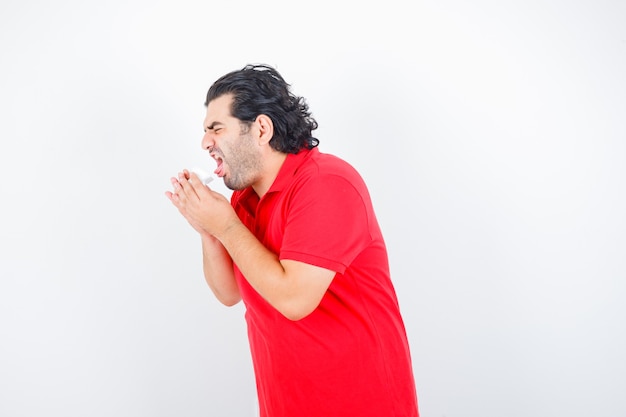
(293, 288)
(218, 271)
(259, 265)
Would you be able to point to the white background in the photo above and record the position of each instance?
(491, 134)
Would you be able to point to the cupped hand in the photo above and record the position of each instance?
(207, 211)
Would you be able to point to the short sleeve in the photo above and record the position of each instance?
(326, 223)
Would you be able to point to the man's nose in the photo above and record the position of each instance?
(207, 141)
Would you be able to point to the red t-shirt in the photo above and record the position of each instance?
(350, 356)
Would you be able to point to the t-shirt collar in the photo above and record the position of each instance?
(290, 166)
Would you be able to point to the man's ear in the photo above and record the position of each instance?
(265, 127)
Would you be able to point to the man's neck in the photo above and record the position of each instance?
(273, 162)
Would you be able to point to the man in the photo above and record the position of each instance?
(299, 243)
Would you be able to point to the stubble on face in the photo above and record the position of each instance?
(243, 161)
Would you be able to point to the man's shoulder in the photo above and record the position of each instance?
(331, 164)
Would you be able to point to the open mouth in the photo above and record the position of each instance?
(219, 171)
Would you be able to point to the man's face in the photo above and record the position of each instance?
(232, 145)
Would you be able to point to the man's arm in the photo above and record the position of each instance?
(218, 271)
(217, 264)
(294, 288)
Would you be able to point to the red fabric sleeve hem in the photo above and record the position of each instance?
(314, 260)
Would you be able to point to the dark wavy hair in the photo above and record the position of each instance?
(260, 89)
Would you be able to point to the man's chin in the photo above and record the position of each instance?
(231, 185)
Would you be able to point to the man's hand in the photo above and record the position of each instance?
(207, 211)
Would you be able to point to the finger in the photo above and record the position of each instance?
(178, 196)
(188, 192)
(175, 184)
(196, 183)
(176, 202)
(186, 186)
(174, 194)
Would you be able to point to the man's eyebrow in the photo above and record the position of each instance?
(212, 126)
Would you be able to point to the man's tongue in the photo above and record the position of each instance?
(219, 171)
